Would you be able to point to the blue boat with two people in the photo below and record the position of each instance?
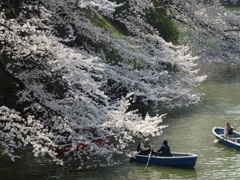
(177, 159)
(220, 138)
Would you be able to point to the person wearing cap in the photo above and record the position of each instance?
(164, 150)
(145, 147)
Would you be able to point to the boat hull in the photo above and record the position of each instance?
(219, 134)
(177, 159)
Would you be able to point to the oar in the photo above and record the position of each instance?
(149, 157)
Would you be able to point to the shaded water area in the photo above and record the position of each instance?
(188, 130)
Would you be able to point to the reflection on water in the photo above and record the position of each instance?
(188, 131)
(160, 172)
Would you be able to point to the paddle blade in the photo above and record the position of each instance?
(216, 140)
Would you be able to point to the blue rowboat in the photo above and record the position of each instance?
(219, 134)
(177, 159)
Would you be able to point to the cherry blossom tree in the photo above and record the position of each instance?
(213, 29)
(77, 75)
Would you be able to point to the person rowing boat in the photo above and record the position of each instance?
(228, 132)
(145, 147)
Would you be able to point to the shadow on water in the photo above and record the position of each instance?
(161, 172)
(221, 73)
(31, 168)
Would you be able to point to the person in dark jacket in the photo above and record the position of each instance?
(165, 149)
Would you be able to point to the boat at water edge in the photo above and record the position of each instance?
(65, 147)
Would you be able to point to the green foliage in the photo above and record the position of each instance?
(160, 20)
(100, 21)
(157, 17)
